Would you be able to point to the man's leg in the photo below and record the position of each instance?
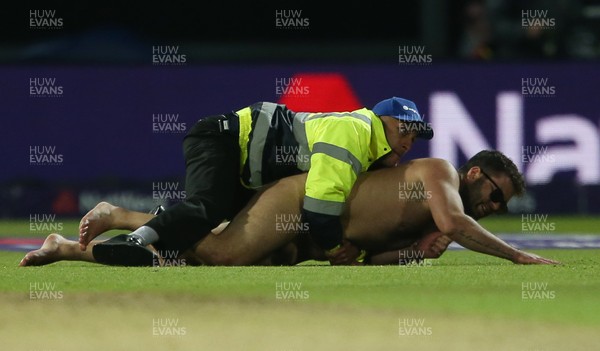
(105, 216)
(212, 186)
(254, 235)
(57, 248)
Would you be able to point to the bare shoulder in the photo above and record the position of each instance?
(432, 163)
(434, 167)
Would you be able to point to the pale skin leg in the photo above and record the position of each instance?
(57, 248)
(252, 236)
(249, 239)
(104, 217)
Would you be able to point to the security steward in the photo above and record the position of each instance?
(228, 157)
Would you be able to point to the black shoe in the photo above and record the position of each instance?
(123, 250)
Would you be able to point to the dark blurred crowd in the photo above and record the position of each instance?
(462, 29)
(528, 29)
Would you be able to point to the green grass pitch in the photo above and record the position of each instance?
(462, 301)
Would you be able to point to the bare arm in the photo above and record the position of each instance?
(448, 213)
(431, 245)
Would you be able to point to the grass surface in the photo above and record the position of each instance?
(562, 224)
(339, 305)
(462, 301)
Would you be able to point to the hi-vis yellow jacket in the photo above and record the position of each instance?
(334, 147)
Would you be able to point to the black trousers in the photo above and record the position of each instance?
(212, 184)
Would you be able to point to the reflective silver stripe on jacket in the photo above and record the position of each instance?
(339, 153)
(332, 208)
(257, 144)
(300, 135)
(306, 116)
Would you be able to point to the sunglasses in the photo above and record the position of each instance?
(497, 195)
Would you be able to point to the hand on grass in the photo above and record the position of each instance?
(528, 258)
(346, 254)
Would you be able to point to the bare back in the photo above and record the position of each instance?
(386, 210)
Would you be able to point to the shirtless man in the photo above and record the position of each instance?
(389, 209)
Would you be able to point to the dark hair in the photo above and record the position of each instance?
(495, 162)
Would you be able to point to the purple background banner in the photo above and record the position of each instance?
(76, 126)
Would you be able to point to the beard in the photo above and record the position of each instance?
(467, 192)
(464, 192)
(465, 195)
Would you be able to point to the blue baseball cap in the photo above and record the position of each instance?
(404, 110)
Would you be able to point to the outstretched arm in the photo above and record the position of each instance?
(442, 180)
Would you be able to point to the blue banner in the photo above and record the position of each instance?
(76, 126)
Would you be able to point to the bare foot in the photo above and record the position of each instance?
(49, 252)
(95, 222)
